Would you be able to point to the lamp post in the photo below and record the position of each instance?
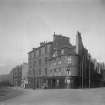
(68, 74)
(89, 71)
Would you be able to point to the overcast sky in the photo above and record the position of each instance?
(25, 23)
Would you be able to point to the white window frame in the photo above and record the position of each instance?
(69, 60)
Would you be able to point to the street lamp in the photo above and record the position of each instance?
(89, 70)
(68, 74)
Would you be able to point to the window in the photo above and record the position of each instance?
(62, 51)
(54, 64)
(59, 69)
(45, 60)
(45, 71)
(54, 70)
(99, 71)
(51, 70)
(45, 49)
(40, 52)
(37, 53)
(55, 54)
(34, 63)
(59, 62)
(39, 61)
(39, 71)
(69, 60)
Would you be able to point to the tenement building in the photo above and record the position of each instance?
(56, 64)
(18, 76)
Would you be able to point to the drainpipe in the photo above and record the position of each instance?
(82, 72)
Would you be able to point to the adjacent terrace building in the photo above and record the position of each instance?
(56, 64)
(18, 76)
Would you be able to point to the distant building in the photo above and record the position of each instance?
(24, 82)
(11, 80)
(16, 76)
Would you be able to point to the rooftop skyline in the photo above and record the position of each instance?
(26, 23)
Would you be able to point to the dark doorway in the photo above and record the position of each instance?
(53, 83)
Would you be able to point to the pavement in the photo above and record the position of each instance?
(58, 97)
(8, 93)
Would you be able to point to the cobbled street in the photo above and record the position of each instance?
(59, 97)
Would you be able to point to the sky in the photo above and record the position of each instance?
(26, 23)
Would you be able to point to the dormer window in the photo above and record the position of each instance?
(55, 54)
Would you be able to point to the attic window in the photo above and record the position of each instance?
(55, 54)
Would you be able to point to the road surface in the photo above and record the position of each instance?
(59, 97)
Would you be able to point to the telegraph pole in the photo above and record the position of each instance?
(33, 79)
(36, 79)
(89, 71)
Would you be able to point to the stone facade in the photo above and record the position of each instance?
(38, 64)
(62, 69)
(54, 64)
(59, 64)
(16, 76)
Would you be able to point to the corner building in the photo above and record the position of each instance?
(55, 64)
